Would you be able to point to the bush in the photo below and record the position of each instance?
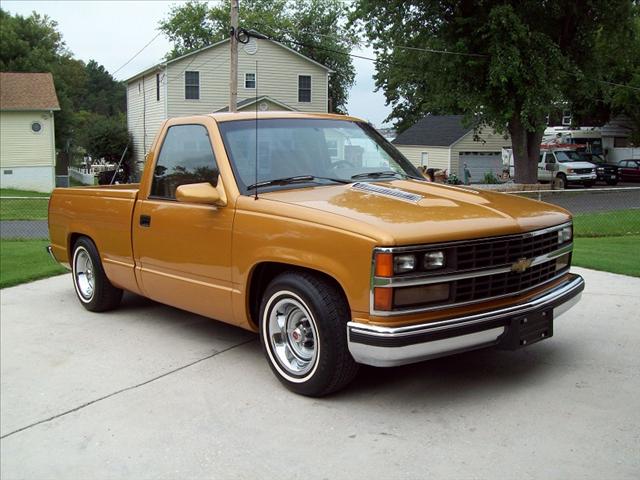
(490, 178)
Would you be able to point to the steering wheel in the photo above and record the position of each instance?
(340, 164)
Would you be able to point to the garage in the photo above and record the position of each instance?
(479, 163)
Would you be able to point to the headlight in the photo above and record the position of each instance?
(601, 169)
(404, 263)
(434, 260)
(569, 170)
(565, 234)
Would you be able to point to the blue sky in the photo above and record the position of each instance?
(111, 32)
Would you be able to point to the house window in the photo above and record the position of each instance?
(249, 80)
(157, 87)
(424, 159)
(192, 85)
(332, 148)
(304, 88)
(566, 117)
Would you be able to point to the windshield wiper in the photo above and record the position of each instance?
(384, 173)
(296, 179)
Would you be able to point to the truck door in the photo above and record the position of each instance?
(542, 173)
(183, 251)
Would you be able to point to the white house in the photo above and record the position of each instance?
(443, 142)
(271, 76)
(27, 137)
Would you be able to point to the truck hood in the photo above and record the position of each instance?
(404, 212)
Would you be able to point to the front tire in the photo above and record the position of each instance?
(94, 290)
(560, 182)
(303, 331)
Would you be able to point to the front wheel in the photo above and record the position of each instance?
(94, 290)
(560, 182)
(303, 331)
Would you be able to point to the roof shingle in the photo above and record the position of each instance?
(27, 91)
(434, 130)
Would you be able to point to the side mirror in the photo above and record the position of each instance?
(203, 193)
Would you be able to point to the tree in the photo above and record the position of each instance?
(508, 63)
(33, 44)
(316, 28)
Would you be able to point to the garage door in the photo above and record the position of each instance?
(480, 163)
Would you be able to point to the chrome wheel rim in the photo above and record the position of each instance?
(292, 336)
(84, 274)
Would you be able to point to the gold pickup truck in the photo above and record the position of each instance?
(315, 232)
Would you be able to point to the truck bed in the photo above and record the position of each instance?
(104, 214)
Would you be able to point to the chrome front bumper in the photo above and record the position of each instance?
(387, 346)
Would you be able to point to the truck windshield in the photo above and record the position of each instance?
(322, 150)
(568, 156)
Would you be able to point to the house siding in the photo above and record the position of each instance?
(490, 141)
(27, 159)
(145, 113)
(277, 77)
(438, 156)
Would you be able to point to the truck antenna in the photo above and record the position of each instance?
(256, 79)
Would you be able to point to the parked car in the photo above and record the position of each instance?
(629, 170)
(564, 167)
(334, 259)
(605, 172)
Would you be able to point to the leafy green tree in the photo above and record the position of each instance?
(509, 63)
(316, 28)
(106, 137)
(33, 44)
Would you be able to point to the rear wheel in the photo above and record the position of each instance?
(94, 290)
(303, 333)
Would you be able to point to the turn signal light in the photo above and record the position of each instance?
(384, 265)
(382, 298)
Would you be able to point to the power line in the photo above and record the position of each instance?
(620, 85)
(137, 53)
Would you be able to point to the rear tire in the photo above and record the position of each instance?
(94, 290)
(303, 331)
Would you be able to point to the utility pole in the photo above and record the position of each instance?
(233, 68)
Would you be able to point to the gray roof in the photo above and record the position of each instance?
(434, 131)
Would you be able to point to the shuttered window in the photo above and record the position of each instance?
(192, 85)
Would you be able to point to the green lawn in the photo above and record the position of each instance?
(607, 224)
(609, 254)
(25, 260)
(12, 192)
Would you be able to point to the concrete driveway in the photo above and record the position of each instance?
(152, 392)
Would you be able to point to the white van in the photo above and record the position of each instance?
(562, 166)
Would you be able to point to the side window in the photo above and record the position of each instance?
(186, 157)
(550, 158)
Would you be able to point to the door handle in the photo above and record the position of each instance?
(145, 220)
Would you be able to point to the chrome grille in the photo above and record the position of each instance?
(582, 170)
(478, 288)
(493, 253)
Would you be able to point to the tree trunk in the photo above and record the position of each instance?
(526, 151)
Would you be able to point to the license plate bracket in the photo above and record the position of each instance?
(527, 329)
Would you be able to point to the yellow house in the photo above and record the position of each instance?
(443, 142)
(27, 137)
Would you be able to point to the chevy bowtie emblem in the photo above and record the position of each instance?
(521, 265)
